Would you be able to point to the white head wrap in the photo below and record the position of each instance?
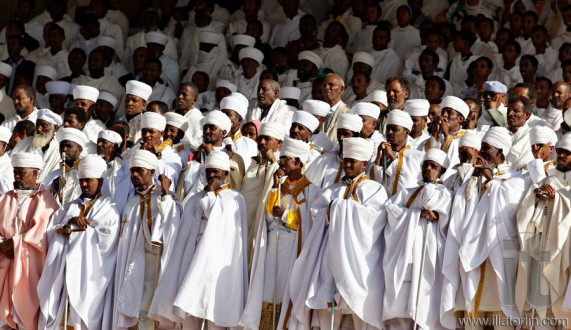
(542, 135)
(380, 97)
(92, 166)
(139, 89)
(49, 116)
(273, 129)
(106, 96)
(226, 84)
(155, 37)
(46, 71)
(564, 144)
(417, 108)
(357, 148)
(218, 160)
(310, 56)
(499, 138)
(176, 120)
(436, 155)
(110, 136)
(73, 135)
(5, 69)
(244, 39)
(457, 104)
(316, 107)
(471, 139)
(234, 103)
(5, 134)
(105, 41)
(86, 93)
(251, 52)
(27, 160)
(351, 122)
(306, 119)
(208, 37)
(289, 92)
(295, 148)
(399, 118)
(241, 97)
(366, 109)
(57, 87)
(219, 119)
(144, 159)
(363, 57)
(153, 120)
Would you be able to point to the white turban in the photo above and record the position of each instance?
(155, 37)
(73, 135)
(144, 159)
(471, 139)
(316, 107)
(27, 160)
(234, 103)
(436, 155)
(306, 119)
(358, 148)
(499, 138)
(380, 97)
(542, 135)
(139, 89)
(92, 166)
(153, 120)
(46, 71)
(57, 87)
(564, 144)
(295, 148)
(351, 122)
(310, 56)
(226, 84)
(5, 134)
(366, 109)
(251, 52)
(208, 37)
(244, 40)
(399, 118)
(106, 96)
(457, 104)
(5, 69)
(417, 108)
(219, 119)
(49, 116)
(86, 93)
(288, 92)
(176, 120)
(110, 136)
(363, 57)
(273, 129)
(241, 97)
(218, 160)
(567, 116)
(105, 41)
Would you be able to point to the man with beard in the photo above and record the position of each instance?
(23, 97)
(270, 107)
(43, 142)
(24, 216)
(64, 182)
(109, 148)
(398, 91)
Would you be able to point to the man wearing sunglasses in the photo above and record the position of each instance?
(495, 100)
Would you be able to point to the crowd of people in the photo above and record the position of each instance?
(263, 164)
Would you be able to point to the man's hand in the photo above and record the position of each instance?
(279, 173)
(472, 120)
(165, 184)
(149, 147)
(549, 192)
(429, 215)
(213, 184)
(445, 126)
(486, 172)
(388, 150)
(278, 211)
(269, 155)
(434, 128)
(80, 222)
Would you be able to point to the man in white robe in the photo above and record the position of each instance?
(282, 230)
(6, 170)
(418, 111)
(109, 148)
(519, 111)
(302, 127)
(387, 61)
(211, 57)
(235, 107)
(247, 77)
(287, 29)
(136, 96)
(341, 263)
(23, 97)
(84, 232)
(206, 282)
(85, 98)
(332, 51)
(6, 104)
(269, 106)
(417, 221)
(543, 222)
(186, 96)
(97, 77)
(145, 246)
(542, 140)
(156, 43)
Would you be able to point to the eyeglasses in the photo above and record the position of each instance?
(491, 95)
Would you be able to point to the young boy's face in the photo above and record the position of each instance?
(538, 38)
(380, 39)
(403, 16)
(372, 15)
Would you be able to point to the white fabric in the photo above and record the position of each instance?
(73, 135)
(471, 139)
(380, 97)
(289, 92)
(46, 71)
(49, 116)
(176, 120)
(50, 157)
(234, 103)
(310, 56)
(110, 136)
(25, 159)
(565, 142)
(295, 149)
(139, 89)
(316, 107)
(144, 159)
(5, 134)
(436, 155)
(366, 109)
(399, 118)
(417, 107)
(387, 64)
(306, 119)
(279, 112)
(251, 53)
(520, 152)
(219, 119)
(349, 121)
(498, 137)
(86, 93)
(404, 39)
(218, 160)
(153, 120)
(495, 86)
(273, 129)
(335, 58)
(357, 148)
(457, 104)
